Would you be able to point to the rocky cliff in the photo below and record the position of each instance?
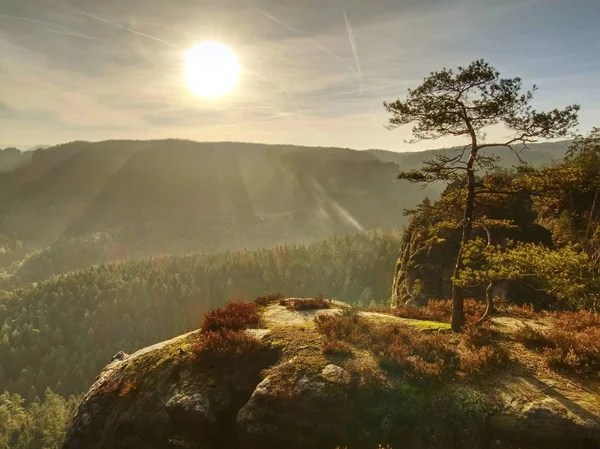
(276, 387)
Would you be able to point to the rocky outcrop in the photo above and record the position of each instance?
(293, 396)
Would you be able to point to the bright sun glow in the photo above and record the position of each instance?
(211, 69)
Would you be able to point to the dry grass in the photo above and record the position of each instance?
(416, 355)
(235, 316)
(441, 310)
(343, 330)
(316, 303)
(364, 374)
(266, 300)
(480, 353)
(525, 311)
(571, 342)
(337, 347)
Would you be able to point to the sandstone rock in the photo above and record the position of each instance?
(334, 373)
(297, 398)
(119, 356)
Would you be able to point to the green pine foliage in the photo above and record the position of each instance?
(61, 332)
(40, 424)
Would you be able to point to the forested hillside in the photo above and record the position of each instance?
(83, 203)
(79, 204)
(61, 332)
(13, 158)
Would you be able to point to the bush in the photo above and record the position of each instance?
(478, 335)
(234, 316)
(571, 342)
(305, 303)
(483, 360)
(229, 346)
(341, 330)
(525, 311)
(480, 352)
(531, 338)
(363, 374)
(441, 310)
(337, 347)
(416, 355)
(575, 321)
(271, 298)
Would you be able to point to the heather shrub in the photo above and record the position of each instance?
(363, 374)
(234, 316)
(346, 327)
(524, 311)
(481, 360)
(480, 352)
(479, 335)
(305, 303)
(337, 347)
(268, 299)
(441, 310)
(570, 343)
(574, 351)
(575, 321)
(414, 354)
(531, 338)
(227, 345)
(417, 355)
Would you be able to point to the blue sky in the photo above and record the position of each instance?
(102, 69)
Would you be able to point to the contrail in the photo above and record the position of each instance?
(354, 51)
(249, 123)
(51, 27)
(301, 116)
(355, 91)
(116, 25)
(171, 44)
(279, 86)
(294, 30)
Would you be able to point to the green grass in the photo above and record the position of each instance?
(424, 325)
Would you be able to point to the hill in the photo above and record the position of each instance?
(13, 158)
(79, 204)
(120, 200)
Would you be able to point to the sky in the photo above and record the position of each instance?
(114, 69)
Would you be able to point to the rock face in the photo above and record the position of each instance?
(292, 396)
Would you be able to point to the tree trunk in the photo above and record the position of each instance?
(458, 316)
(489, 296)
(401, 288)
(592, 212)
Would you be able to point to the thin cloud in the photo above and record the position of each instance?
(115, 69)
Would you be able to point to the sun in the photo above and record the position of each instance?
(211, 69)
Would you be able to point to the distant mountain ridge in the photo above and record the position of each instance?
(538, 154)
(12, 158)
(81, 203)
